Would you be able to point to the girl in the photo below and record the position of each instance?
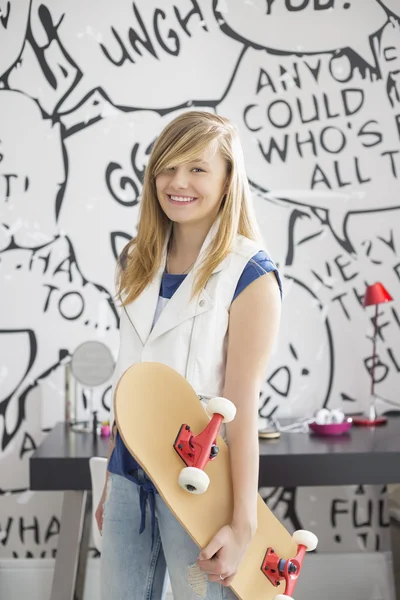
(200, 294)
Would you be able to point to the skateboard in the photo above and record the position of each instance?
(177, 443)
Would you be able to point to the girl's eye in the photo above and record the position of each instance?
(197, 169)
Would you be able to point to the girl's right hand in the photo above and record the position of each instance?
(100, 510)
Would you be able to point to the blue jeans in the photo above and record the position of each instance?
(134, 568)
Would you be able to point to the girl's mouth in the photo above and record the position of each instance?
(181, 200)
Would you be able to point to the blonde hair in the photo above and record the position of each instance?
(182, 140)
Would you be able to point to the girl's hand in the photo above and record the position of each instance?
(220, 560)
(100, 511)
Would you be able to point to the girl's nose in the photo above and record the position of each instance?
(180, 179)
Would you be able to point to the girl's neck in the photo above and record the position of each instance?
(184, 247)
(186, 240)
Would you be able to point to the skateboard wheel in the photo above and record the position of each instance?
(283, 597)
(194, 480)
(305, 538)
(222, 406)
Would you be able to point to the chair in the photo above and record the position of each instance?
(98, 468)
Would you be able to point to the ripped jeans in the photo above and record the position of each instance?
(134, 568)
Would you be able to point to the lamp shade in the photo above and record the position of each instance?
(376, 294)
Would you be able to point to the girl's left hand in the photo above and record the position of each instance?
(221, 558)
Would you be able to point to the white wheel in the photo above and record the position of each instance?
(222, 406)
(194, 480)
(283, 597)
(305, 538)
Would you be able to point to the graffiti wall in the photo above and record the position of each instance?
(314, 89)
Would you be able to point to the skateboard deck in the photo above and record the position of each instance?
(152, 401)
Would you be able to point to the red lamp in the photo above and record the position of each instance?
(374, 295)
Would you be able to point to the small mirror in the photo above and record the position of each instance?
(91, 365)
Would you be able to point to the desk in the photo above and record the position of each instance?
(61, 463)
(363, 456)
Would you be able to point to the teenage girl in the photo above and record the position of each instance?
(199, 293)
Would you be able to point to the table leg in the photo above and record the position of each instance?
(84, 547)
(394, 519)
(68, 549)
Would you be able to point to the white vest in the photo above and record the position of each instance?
(190, 335)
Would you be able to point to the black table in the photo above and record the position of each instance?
(368, 456)
(363, 456)
(61, 463)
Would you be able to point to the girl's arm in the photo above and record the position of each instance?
(253, 328)
(100, 507)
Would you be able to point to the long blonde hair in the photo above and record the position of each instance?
(182, 140)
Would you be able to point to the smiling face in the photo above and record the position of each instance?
(191, 192)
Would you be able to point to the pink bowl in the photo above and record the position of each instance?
(331, 428)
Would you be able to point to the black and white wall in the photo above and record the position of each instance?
(85, 87)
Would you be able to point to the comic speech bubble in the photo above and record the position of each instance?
(333, 515)
(388, 51)
(392, 5)
(146, 54)
(49, 80)
(13, 23)
(313, 140)
(340, 282)
(299, 375)
(43, 291)
(306, 25)
(31, 171)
